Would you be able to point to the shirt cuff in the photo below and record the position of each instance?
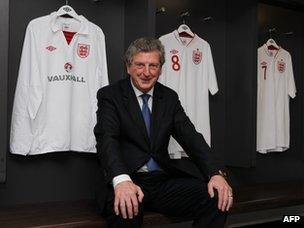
(120, 178)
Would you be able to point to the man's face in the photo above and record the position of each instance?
(145, 70)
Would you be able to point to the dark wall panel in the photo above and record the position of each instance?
(289, 34)
(67, 175)
(288, 165)
(4, 29)
(241, 82)
(139, 20)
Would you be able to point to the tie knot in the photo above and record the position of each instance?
(145, 97)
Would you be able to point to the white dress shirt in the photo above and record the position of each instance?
(125, 177)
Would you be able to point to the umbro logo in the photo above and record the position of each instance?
(51, 48)
(263, 63)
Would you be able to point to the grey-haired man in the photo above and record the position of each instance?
(135, 118)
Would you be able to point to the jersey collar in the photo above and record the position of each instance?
(84, 28)
(178, 39)
(268, 52)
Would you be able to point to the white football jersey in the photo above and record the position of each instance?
(55, 98)
(275, 86)
(189, 70)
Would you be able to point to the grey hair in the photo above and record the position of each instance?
(145, 44)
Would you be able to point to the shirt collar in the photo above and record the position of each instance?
(138, 93)
(84, 26)
(269, 53)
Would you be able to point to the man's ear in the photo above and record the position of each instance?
(128, 68)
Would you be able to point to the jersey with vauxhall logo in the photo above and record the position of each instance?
(63, 64)
(189, 70)
(275, 86)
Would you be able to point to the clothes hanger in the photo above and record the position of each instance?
(67, 11)
(271, 44)
(184, 30)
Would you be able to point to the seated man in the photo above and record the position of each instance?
(136, 117)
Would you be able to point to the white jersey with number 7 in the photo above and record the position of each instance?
(275, 86)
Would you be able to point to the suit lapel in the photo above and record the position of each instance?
(131, 104)
(158, 108)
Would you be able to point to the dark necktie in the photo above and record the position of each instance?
(151, 164)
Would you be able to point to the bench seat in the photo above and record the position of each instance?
(83, 213)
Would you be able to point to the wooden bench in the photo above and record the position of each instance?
(265, 203)
(65, 215)
(84, 214)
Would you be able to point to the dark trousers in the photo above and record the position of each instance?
(173, 196)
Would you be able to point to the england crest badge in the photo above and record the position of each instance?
(281, 66)
(83, 50)
(197, 56)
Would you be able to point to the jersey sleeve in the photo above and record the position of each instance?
(291, 82)
(102, 60)
(212, 82)
(101, 69)
(28, 97)
(162, 78)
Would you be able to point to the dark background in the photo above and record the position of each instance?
(236, 30)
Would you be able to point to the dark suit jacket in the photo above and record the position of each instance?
(123, 145)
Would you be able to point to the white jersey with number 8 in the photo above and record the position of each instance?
(189, 70)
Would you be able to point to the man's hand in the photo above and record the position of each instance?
(127, 197)
(225, 195)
